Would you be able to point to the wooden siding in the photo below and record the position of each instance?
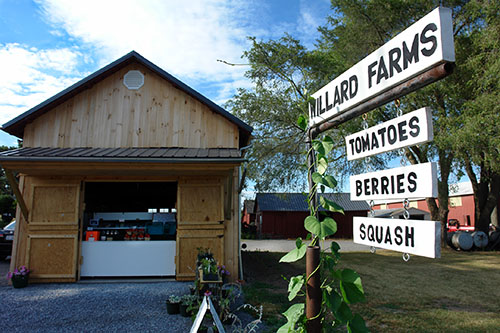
(201, 222)
(290, 225)
(48, 242)
(108, 115)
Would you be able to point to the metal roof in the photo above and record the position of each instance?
(297, 202)
(169, 155)
(16, 125)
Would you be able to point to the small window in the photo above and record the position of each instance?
(456, 202)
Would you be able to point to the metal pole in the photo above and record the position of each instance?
(313, 287)
(432, 75)
(313, 290)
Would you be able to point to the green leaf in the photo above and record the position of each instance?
(318, 147)
(321, 229)
(351, 287)
(330, 205)
(322, 165)
(332, 300)
(327, 180)
(343, 314)
(357, 325)
(349, 275)
(302, 122)
(297, 253)
(335, 247)
(298, 242)
(317, 177)
(285, 328)
(312, 225)
(292, 315)
(327, 144)
(295, 285)
(330, 181)
(329, 262)
(328, 228)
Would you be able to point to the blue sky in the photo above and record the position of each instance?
(47, 45)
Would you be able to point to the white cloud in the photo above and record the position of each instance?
(183, 37)
(311, 16)
(29, 76)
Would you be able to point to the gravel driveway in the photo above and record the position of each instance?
(94, 307)
(80, 307)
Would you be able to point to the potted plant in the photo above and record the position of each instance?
(209, 270)
(223, 273)
(187, 305)
(19, 277)
(173, 303)
(193, 288)
(203, 253)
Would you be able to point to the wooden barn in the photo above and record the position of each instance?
(126, 173)
(461, 205)
(281, 215)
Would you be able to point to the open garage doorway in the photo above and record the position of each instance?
(129, 229)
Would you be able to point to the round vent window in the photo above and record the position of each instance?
(133, 80)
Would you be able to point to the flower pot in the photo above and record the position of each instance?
(210, 277)
(173, 308)
(20, 281)
(183, 310)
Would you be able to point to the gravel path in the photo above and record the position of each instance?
(78, 307)
(94, 307)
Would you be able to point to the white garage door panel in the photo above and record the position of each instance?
(128, 258)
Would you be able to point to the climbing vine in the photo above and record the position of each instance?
(339, 287)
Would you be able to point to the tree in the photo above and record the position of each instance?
(477, 140)
(7, 200)
(284, 73)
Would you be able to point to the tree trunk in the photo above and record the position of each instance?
(486, 194)
(439, 210)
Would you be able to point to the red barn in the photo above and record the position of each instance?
(461, 204)
(281, 215)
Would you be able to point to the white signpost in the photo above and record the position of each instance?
(417, 237)
(408, 130)
(413, 181)
(423, 45)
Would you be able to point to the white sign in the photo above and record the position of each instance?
(408, 130)
(419, 237)
(425, 44)
(414, 181)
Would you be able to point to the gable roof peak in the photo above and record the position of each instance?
(16, 126)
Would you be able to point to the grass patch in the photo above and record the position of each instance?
(456, 293)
